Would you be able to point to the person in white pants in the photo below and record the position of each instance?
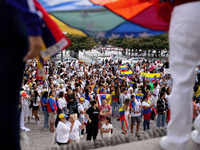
(184, 40)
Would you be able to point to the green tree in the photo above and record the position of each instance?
(158, 43)
(80, 43)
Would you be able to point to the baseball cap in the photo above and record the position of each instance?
(62, 116)
(82, 99)
(124, 89)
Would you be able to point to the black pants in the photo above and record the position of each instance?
(92, 131)
(13, 47)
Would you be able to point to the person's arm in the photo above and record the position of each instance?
(88, 118)
(33, 22)
(39, 104)
(51, 105)
(59, 104)
(106, 131)
(131, 108)
(140, 108)
(147, 107)
(195, 111)
(72, 125)
(109, 112)
(75, 96)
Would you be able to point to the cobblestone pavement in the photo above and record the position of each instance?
(39, 139)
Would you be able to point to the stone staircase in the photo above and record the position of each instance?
(145, 140)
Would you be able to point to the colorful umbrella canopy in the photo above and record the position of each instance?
(107, 18)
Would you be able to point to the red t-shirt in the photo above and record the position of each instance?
(104, 109)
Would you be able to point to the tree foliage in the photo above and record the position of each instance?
(158, 42)
(80, 42)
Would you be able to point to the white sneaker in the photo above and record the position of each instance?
(33, 117)
(30, 122)
(34, 122)
(45, 129)
(38, 122)
(164, 143)
(82, 137)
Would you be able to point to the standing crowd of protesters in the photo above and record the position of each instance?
(68, 97)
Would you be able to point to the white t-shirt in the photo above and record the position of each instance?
(74, 134)
(107, 127)
(62, 131)
(37, 101)
(27, 87)
(61, 103)
(198, 106)
(145, 103)
(80, 108)
(156, 92)
(137, 108)
(127, 112)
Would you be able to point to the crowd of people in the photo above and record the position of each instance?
(69, 101)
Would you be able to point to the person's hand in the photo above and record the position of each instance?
(152, 105)
(35, 46)
(90, 121)
(54, 112)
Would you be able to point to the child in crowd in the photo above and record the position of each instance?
(107, 128)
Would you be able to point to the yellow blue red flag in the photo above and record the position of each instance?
(150, 75)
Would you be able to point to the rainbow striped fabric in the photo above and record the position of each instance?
(107, 18)
(150, 75)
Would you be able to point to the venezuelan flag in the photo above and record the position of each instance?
(123, 68)
(106, 96)
(128, 73)
(53, 39)
(153, 108)
(122, 113)
(124, 120)
(150, 75)
(131, 84)
(147, 114)
(139, 95)
(80, 62)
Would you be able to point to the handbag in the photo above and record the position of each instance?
(153, 114)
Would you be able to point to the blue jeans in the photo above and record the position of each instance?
(163, 118)
(115, 105)
(80, 120)
(71, 109)
(64, 109)
(146, 124)
(13, 47)
(46, 119)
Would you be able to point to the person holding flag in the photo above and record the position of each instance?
(124, 112)
(146, 112)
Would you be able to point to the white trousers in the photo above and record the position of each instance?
(184, 38)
